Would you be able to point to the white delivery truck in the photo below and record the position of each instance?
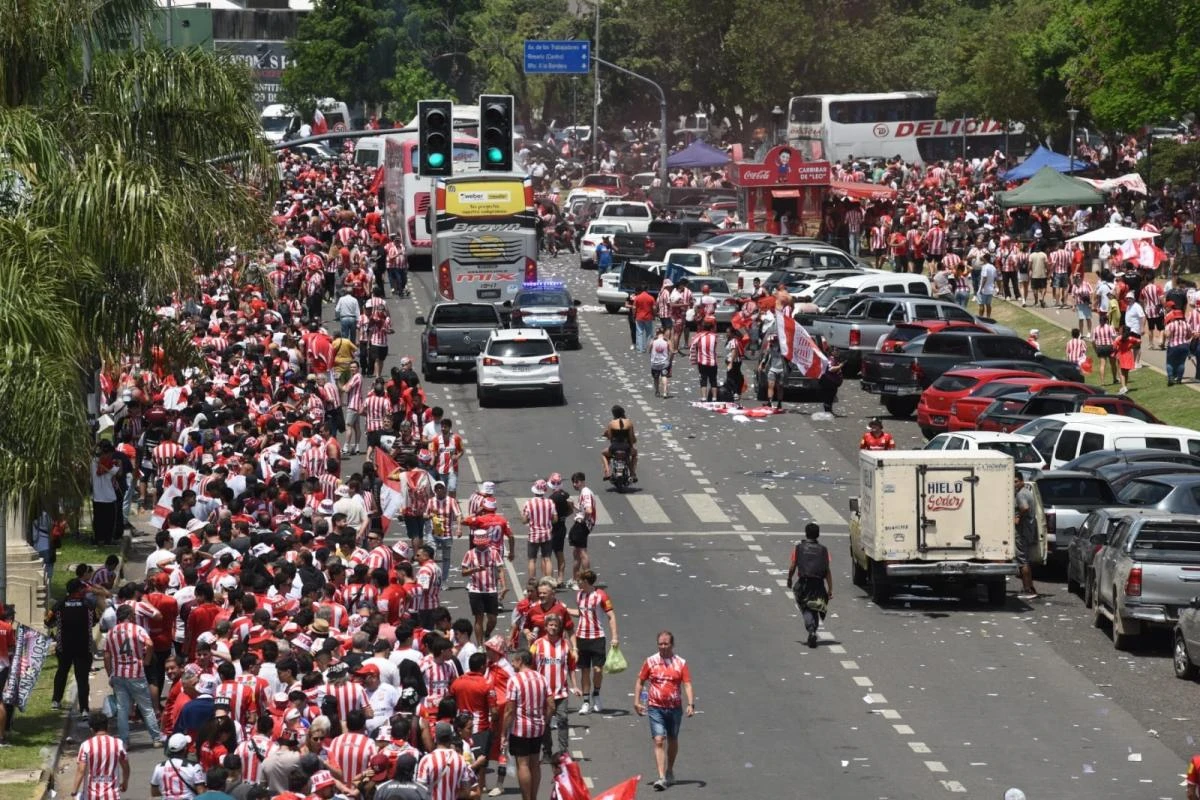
(936, 519)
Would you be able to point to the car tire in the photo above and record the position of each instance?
(900, 407)
(929, 433)
(1185, 668)
(428, 371)
(1098, 616)
(881, 590)
(1089, 590)
(1073, 586)
(1121, 638)
(612, 308)
(560, 397)
(576, 344)
(858, 575)
(482, 397)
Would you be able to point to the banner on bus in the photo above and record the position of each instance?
(485, 198)
(783, 166)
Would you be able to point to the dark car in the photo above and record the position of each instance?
(1067, 498)
(795, 382)
(1118, 475)
(1175, 494)
(1095, 531)
(1090, 462)
(549, 307)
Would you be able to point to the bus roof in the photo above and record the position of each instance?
(870, 96)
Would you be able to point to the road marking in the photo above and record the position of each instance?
(763, 559)
(875, 699)
(762, 509)
(647, 509)
(819, 509)
(782, 582)
(863, 680)
(717, 532)
(754, 548)
(903, 730)
(705, 508)
(889, 713)
(919, 747)
(745, 537)
(935, 766)
(602, 517)
(837, 649)
(849, 665)
(475, 469)
(953, 786)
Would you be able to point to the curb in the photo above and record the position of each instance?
(45, 787)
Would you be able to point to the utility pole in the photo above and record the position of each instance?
(596, 91)
(662, 115)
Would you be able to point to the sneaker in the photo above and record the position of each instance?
(586, 708)
(670, 778)
(812, 640)
(1028, 596)
(1123, 390)
(596, 709)
(573, 585)
(496, 791)
(660, 785)
(56, 705)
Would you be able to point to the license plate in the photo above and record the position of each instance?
(952, 566)
(488, 294)
(889, 390)
(464, 358)
(519, 367)
(939, 420)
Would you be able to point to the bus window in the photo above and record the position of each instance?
(806, 110)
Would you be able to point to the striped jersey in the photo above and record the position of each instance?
(354, 394)
(1178, 332)
(163, 456)
(429, 587)
(1152, 298)
(528, 691)
(587, 506)
(348, 695)
(444, 514)
(446, 452)
(1104, 334)
(241, 700)
(555, 663)
(378, 410)
(351, 753)
(1076, 350)
(591, 605)
(703, 350)
(1060, 261)
(445, 773)
(101, 756)
(438, 676)
(486, 581)
(126, 646)
(539, 515)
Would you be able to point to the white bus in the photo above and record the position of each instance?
(838, 127)
(409, 195)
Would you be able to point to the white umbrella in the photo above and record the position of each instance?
(1113, 233)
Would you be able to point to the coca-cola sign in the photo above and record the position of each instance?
(756, 175)
(782, 167)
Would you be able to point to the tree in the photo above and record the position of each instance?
(436, 38)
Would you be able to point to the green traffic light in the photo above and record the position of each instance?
(495, 155)
(435, 159)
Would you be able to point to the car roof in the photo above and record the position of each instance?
(512, 334)
(989, 436)
(1079, 416)
(984, 372)
(1172, 480)
(1069, 473)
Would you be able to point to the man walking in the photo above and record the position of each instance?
(811, 579)
(102, 764)
(554, 656)
(643, 318)
(1026, 534)
(127, 651)
(529, 706)
(590, 646)
(664, 675)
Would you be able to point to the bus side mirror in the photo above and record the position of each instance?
(853, 505)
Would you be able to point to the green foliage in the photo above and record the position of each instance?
(1171, 160)
(412, 82)
(345, 49)
(436, 35)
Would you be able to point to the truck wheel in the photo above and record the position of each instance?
(881, 590)
(482, 397)
(1089, 591)
(858, 575)
(1098, 617)
(428, 371)
(997, 593)
(901, 407)
(612, 308)
(1073, 586)
(560, 397)
(1122, 637)
(1185, 670)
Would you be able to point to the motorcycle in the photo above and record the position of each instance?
(619, 470)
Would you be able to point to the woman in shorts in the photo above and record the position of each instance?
(1104, 335)
(660, 363)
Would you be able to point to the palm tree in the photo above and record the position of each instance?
(109, 203)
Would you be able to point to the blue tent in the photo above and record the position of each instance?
(1043, 157)
(699, 154)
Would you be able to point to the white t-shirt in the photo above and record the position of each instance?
(174, 776)
(987, 279)
(409, 654)
(388, 672)
(464, 656)
(1104, 291)
(383, 703)
(1135, 318)
(660, 353)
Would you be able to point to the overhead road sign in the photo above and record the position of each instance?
(569, 57)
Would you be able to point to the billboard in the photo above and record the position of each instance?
(266, 59)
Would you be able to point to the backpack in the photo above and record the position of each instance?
(812, 559)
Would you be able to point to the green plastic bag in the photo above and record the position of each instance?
(616, 661)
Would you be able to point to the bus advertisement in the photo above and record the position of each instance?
(485, 241)
(838, 127)
(408, 194)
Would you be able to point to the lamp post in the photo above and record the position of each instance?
(596, 93)
(777, 120)
(1072, 113)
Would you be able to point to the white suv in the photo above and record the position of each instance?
(518, 360)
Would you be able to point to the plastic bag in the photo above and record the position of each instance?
(616, 661)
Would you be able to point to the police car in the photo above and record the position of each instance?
(547, 305)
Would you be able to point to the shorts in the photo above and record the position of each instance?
(665, 721)
(538, 549)
(1038, 283)
(665, 322)
(484, 603)
(1025, 543)
(985, 298)
(1104, 351)
(450, 479)
(658, 374)
(1154, 323)
(708, 375)
(519, 746)
(351, 418)
(378, 353)
(558, 536)
(481, 743)
(1022, 277)
(774, 375)
(578, 535)
(373, 437)
(415, 527)
(592, 652)
(1060, 280)
(1083, 311)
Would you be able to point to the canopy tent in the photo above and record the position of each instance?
(1044, 157)
(699, 154)
(1113, 233)
(1051, 188)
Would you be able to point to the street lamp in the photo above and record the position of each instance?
(1072, 113)
(777, 118)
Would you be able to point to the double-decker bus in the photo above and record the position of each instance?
(837, 127)
(409, 194)
(485, 242)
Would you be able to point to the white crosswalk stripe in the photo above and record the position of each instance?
(647, 509)
(763, 510)
(704, 507)
(819, 510)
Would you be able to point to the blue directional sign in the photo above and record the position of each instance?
(571, 57)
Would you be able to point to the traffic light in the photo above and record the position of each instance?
(496, 132)
(436, 138)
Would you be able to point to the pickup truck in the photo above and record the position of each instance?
(1009, 413)
(618, 284)
(795, 258)
(454, 334)
(695, 260)
(1146, 574)
(661, 235)
(1067, 498)
(861, 328)
(636, 215)
(899, 378)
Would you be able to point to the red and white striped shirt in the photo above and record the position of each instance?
(853, 220)
(1193, 320)
(878, 237)
(351, 753)
(253, 751)
(446, 452)
(354, 395)
(486, 581)
(329, 484)
(586, 505)
(1076, 350)
(539, 514)
(1060, 261)
(445, 772)
(1152, 296)
(529, 691)
(1104, 334)
(1178, 333)
(951, 261)
(378, 410)
(349, 696)
(444, 513)
(380, 557)
(590, 605)
(126, 646)
(1082, 293)
(419, 488)
(163, 456)
(438, 676)
(429, 587)
(935, 241)
(241, 700)
(703, 350)
(378, 328)
(102, 756)
(555, 663)
(180, 476)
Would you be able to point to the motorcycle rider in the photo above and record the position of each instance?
(621, 437)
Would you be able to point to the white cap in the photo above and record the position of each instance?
(487, 487)
(1014, 794)
(178, 742)
(1033, 331)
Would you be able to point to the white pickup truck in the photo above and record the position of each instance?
(636, 215)
(695, 260)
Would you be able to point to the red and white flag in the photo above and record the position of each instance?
(392, 496)
(568, 781)
(1149, 255)
(163, 507)
(319, 125)
(625, 790)
(1129, 251)
(798, 347)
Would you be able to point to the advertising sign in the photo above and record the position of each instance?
(783, 167)
(266, 60)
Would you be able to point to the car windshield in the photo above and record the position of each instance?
(542, 298)
(612, 228)
(601, 180)
(715, 285)
(1074, 490)
(625, 210)
(465, 315)
(1144, 493)
(520, 348)
(275, 124)
(1021, 452)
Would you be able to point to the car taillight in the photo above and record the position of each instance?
(1051, 521)
(587, 243)
(855, 337)
(916, 371)
(549, 360)
(488, 361)
(1096, 549)
(515, 317)
(431, 341)
(1133, 584)
(445, 285)
(531, 270)
(648, 244)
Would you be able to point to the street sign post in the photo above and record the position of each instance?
(570, 57)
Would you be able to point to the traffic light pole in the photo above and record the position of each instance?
(662, 109)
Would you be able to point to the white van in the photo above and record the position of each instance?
(278, 120)
(872, 282)
(369, 152)
(1064, 437)
(636, 215)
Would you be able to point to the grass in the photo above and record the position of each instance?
(1174, 406)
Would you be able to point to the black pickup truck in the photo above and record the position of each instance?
(899, 378)
(662, 235)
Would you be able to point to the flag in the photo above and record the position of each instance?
(568, 781)
(1149, 255)
(625, 790)
(392, 496)
(1129, 251)
(163, 507)
(27, 659)
(378, 182)
(319, 125)
(798, 347)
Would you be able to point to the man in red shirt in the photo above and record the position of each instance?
(201, 618)
(643, 318)
(475, 695)
(876, 438)
(161, 629)
(664, 674)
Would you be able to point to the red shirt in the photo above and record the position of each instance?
(643, 307)
(476, 696)
(536, 617)
(162, 630)
(200, 620)
(665, 677)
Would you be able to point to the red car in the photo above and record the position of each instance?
(965, 411)
(933, 409)
(907, 331)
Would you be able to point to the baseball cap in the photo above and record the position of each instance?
(479, 536)
(487, 487)
(222, 704)
(1033, 331)
(321, 780)
(381, 767)
(338, 670)
(195, 525)
(207, 684)
(367, 669)
(178, 742)
(444, 732)
(1128, 296)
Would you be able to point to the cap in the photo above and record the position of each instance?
(480, 536)
(487, 487)
(488, 504)
(439, 483)
(381, 767)
(403, 549)
(342, 491)
(1128, 296)
(668, 283)
(1033, 331)
(496, 644)
(321, 780)
(320, 626)
(195, 525)
(325, 508)
(207, 684)
(444, 732)
(367, 669)
(207, 637)
(222, 704)
(539, 488)
(193, 671)
(178, 742)
(280, 698)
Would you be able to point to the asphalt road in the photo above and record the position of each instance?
(924, 698)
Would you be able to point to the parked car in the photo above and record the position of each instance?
(1119, 475)
(1062, 437)
(907, 331)
(1092, 535)
(727, 248)
(595, 233)
(1067, 498)
(636, 215)
(548, 306)
(1147, 574)
(518, 361)
(1173, 494)
(933, 407)
(662, 235)
(1090, 462)
(965, 411)
(1186, 643)
(1062, 399)
(795, 382)
(1019, 447)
